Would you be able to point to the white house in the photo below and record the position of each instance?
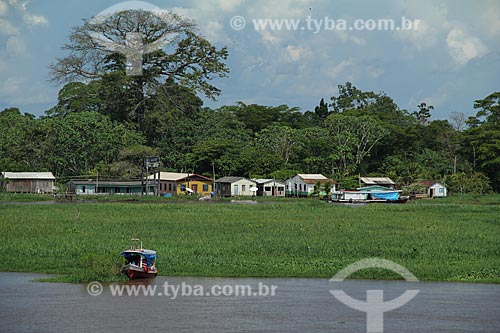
(234, 186)
(270, 187)
(302, 184)
(437, 190)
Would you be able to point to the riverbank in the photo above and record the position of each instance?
(436, 242)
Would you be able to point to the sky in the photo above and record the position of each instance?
(450, 60)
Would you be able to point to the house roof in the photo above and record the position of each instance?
(313, 178)
(29, 175)
(376, 181)
(106, 182)
(231, 179)
(265, 181)
(172, 176)
(437, 185)
(426, 182)
(177, 176)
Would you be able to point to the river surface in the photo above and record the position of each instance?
(298, 305)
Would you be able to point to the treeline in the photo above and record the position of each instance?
(98, 128)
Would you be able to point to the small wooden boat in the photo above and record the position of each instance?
(139, 263)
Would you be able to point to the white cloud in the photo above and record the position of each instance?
(16, 46)
(10, 87)
(3, 8)
(491, 21)
(424, 37)
(7, 29)
(3, 66)
(464, 48)
(294, 52)
(432, 18)
(17, 91)
(336, 71)
(21, 8)
(32, 19)
(374, 72)
(268, 37)
(226, 5)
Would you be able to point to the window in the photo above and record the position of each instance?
(242, 188)
(441, 190)
(83, 189)
(183, 187)
(280, 188)
(267, 188)
(205, 187)
(170, 187)
(175, 187)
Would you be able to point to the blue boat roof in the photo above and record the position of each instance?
(150, 255)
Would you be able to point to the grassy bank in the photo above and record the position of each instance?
(304, 238)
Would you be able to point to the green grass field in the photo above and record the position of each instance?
(438, 240)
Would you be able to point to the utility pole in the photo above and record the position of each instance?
(213, 179)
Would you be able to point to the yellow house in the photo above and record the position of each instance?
(183, 183)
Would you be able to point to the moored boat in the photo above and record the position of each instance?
(369, 194)
(139, 263)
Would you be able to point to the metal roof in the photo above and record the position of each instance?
(172, 176)
(177, 176)
(376, 180)
(28, 175)
(230, 179)
(107, 182)
(265, 181)
(313, 178)
(316, 176)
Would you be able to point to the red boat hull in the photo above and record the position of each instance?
(134, 272)
(132, 275)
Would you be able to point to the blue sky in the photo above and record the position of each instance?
(452, 58)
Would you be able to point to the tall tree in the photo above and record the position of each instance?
(179, 55)
(482, 141)
(321, 111)
(16, 140)
(353, 138)
(423, 114)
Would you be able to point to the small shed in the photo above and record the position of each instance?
(234, 186)
(437, 190)
(431, 189)
(29, 182)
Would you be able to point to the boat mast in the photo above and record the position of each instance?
(133, 244)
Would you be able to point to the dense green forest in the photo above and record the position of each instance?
(106, 122)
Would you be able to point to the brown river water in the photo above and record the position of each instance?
(298, 305)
